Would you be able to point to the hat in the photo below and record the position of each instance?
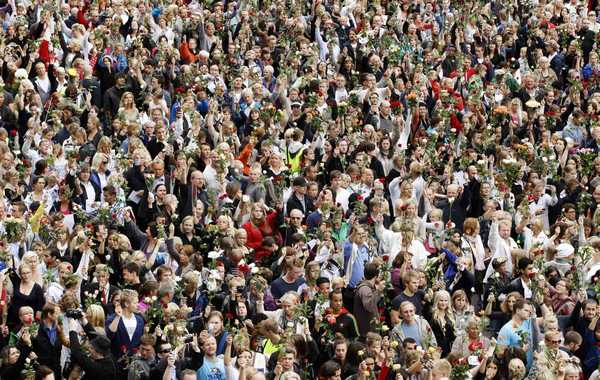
(296, 104)
(300, 181)
(498, 262)
(564, 250)
(101, 345)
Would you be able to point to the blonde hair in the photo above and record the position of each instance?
(95, 314)
(438, 314)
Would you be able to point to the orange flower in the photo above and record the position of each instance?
(501, 110)
(411, 96)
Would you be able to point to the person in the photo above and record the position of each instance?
(227, 157)
(366, 298)
(213, 367)
(99, 363)
(413, 326)
(521, 330)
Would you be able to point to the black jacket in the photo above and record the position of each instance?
(48, 353)
(295, 203)
(101, 369)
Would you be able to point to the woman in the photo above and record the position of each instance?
(259, 227)
(473, 343)
(472, 245)
(95, 316)
(442, 321)
(128, 111)
(462, 310)
(286, 316)
(488, 369)
(39, 194)
(14, 358)
(561, 300)
(26, 293)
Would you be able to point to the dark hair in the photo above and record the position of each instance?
(524, 263)
(520, 304)
(328, 369)
(371, 271)
(42, 371)
(334, 292)
(132, 267)
(572, 337)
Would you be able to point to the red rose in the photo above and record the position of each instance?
(135, 350)
(474, 346)
(13, 133)
(28, 319)
(229, 316)
(331, 319)
(531, 274)
(123, 348)
(385, 258)
(359, 198)
(382, 318)
(244, 268)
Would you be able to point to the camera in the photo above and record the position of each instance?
(74, 313)
(240, 289)
(188, 338)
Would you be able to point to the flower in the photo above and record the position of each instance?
(154, 298)
(213, 255)
(394, 344)
(396, 367)
(147, 300)
(385, 258)
(361, 353)
(385, 328)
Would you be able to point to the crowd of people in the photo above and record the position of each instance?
(297, 190)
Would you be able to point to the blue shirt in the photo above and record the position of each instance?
(508, 336)
(51, 332)
(212, 370)
(358, 267)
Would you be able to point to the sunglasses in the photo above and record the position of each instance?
(165, 351)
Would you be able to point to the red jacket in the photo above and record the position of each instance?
(257, 234)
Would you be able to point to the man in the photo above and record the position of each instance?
(572, 343)
(456, 203)
(142, 366)
(98, 364)
(56, 289)
(213, 367)
(131, 276)
(519, 331)
(411, 293)
(294, 226)
(524, 283)
(366, 298)
(581, 323)
(47, 343)
(413, 326)
(105, 290)
(500, 243)
(291, 281)
(299, 200)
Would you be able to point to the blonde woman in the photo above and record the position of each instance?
(285, 316)
(442, 321)
(95, 316)
(127, 110)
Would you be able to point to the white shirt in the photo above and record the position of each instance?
(91, 195)
(130, 325)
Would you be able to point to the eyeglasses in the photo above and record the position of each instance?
(165, 350)
(553, 341)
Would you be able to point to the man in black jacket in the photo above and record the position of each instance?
(99, 364)
(299, 200)
(47, 344)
